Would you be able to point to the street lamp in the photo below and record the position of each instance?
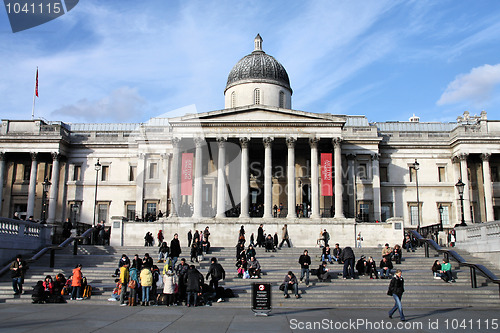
(460, 187)
(46, 187)
(441, 217)
(416, 166)
(97, 169)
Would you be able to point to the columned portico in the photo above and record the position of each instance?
(175, 178)
(268, 181)
(198, 179)
(339, 209)
(2, 179)
(54, 188)
(30, 210)
(221, 179)
(488, 188)
(244, 186)
(465, 179)
(290, 173)
(313, 142)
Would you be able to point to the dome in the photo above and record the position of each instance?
(258, 67)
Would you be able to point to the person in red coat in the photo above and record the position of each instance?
(76, 283)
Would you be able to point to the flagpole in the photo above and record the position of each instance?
(34, 94)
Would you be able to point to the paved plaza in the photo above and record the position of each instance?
(81, 317)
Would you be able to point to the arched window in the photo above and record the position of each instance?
(233, 99)
(282, 99)
(256, 96)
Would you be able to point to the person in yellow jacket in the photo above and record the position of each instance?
(124, 278)
(146, 283)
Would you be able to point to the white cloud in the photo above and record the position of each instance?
(122, 105)
(475, 86)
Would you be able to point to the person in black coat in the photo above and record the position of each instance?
(251, 252)
(347, 257)
(305, 263)
(193, 280)
(190, 238)
(371, 268)
(323, 273)
(385, 268)
(269, 244)
(396, 290)
(240, 250)
(361, 266)
(175, 249)
(260, 236)
(216, 272)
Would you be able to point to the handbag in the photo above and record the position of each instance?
(282, 287)
(132, 284)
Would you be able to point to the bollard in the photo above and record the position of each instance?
(75, 247)
(52, 258)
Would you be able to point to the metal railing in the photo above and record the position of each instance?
(53, 249)
(474, 268)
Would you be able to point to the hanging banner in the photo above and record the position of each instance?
(326, 174)
(187, 174)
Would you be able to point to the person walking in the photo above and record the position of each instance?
(359, 240)
(305, 263)
(216, 272)
(175, 249)
(396, 290)
(17, 270)
(260, 236)
(190, 238)
(284, 236)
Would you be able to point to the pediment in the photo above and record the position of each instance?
(258, 115)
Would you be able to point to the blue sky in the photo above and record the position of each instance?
(128, 61)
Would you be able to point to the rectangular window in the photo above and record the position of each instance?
(494, 174)
(364, 211)
(77, 172)
(102, 213)
(441, 174)
(414, 215)
(151, 208)
(445, 215)
(384, 176)
(105, 172)
(362, 171)
(132, 173)
(131, 212)
(27, 172)
(386, 211)
(153, 170)
(74, 211)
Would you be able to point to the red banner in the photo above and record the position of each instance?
(187, 174)
(326, 175)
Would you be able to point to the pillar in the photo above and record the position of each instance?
(465, 179)
(54, 188)
(174, 187)
(2, 178)
(290, 174)
(456, 175)
(198, 179)
(339, 209)
(32, 186)
(488, 188)
(139, 185)
(221, 179)
(376, 187)
(244, 188)
(351, 183)
(313, 143)
(268, 180)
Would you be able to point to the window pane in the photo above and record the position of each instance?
(104, 172)
(132, 173)
(441, 174)
(77, 172)
(413, 215)
(383, 174)
(445, 216)
(151, 208)
(153, 167)
(102, 213)
(130, 212)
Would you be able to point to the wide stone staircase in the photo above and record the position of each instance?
(422, 290)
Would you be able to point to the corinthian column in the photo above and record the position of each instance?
(488, 188)
(339, 208)
(268, 180)
(32, 186)
(198, 179)
(221, 179)
(465, 179)
(54, 189)
(244, 188)
(313, 142)
(175, 179)
(376, 186)
(290, 174)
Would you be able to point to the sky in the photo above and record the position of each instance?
(128, 61)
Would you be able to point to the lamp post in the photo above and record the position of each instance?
(97, 169)
(440, 217)
(460, 187)
(46, 187)
(416, 166)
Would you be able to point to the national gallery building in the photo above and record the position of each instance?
(256, 161)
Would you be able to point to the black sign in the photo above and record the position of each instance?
(261, 296)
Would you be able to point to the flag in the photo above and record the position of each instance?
(326, 175)
(36, 85)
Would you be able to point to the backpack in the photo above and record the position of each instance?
(218, 271)
(228, 293)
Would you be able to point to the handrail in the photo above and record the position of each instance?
(40, 253)
(458, 258)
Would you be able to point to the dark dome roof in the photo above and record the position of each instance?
(258, 67)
